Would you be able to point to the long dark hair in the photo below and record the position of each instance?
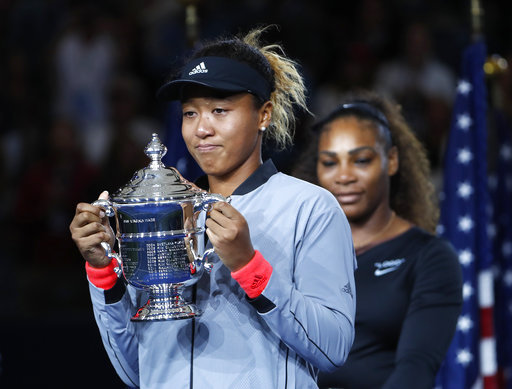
(412, 193)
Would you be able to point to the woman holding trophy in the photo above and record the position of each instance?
(279, 302)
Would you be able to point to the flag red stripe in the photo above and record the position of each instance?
(490, 382)
(486, 322)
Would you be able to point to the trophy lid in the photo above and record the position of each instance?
(155, 182)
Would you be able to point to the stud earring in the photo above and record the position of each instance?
(263, 128)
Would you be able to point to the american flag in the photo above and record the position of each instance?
(471, 359)
(501, 194)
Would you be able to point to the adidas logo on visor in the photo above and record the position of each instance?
(201, 68)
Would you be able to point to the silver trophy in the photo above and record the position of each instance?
(160, 222)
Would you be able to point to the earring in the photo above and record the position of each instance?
(263, 128)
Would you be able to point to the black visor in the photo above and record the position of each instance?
(219, 73)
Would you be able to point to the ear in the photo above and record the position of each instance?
(265, 114)
(393, 161)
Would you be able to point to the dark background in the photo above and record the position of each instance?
(77, 86)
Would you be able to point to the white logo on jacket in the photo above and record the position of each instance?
(387, 266)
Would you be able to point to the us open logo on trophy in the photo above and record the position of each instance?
(160, 223)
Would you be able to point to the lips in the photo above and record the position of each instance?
(206, 147)
(348, 197)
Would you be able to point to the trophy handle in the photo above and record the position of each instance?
(109, 211)
(204, 204)
(111, 254)
(208, 199)
(208, 266)
(106, 205)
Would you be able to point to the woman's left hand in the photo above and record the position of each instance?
(229, 234)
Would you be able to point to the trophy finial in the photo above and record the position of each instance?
(155, 150)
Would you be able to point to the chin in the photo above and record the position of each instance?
(206, 166)
(210, 170)
(352, 212)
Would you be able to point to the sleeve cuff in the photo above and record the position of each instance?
(104, 278)
(254, 277)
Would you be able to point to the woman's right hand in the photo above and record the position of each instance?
(89, 227)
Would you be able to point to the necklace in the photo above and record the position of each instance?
(382, 231)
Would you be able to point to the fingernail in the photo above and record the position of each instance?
(103, 195)
(102, 214)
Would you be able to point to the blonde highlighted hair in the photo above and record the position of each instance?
(289, 88)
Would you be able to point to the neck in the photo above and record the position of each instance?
(373, 229)
(225, 188)
(227, 184)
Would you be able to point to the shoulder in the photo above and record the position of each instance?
(435, 254)
(292, 188)
(437, 273)
(429, 242)
(425, 244)
(307, 204)
(303, 198)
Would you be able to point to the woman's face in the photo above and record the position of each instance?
(222, 132)
(354, 166)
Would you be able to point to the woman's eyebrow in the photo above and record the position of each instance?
(358, 149)
(351, 152)
(331, 154)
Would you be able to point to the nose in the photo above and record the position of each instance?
(204, 127)
(345, 175)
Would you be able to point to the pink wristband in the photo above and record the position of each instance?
(254, 277)
(103, 278)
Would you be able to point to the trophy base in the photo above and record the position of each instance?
(165, 303)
